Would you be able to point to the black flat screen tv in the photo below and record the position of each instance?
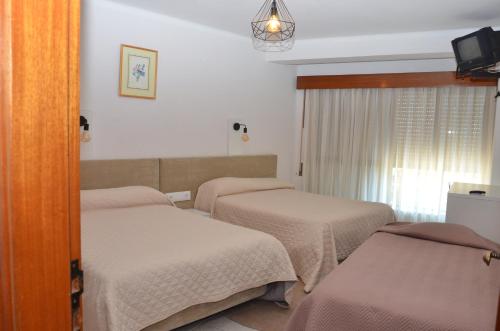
(477, 50)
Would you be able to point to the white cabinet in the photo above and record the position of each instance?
(481, 213)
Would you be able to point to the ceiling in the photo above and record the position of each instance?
(333, 18)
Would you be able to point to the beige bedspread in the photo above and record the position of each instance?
(316, 230)
(414, 277)
(144, 264)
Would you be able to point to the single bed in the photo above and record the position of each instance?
(151, 266)
(427, 276)
(317, 231)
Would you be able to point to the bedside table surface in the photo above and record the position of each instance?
(462, 189)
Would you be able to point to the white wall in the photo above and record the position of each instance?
(429, 65)
(495, 178)
(354, 68)
(381, 47)
(205, 77)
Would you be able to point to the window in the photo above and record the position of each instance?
(401, 146)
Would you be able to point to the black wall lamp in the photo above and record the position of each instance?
(85, 135)
(237, 126)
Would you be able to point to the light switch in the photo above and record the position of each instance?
(179, 196)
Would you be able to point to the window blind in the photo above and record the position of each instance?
(401, 146)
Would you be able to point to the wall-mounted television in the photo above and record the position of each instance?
(477, 50)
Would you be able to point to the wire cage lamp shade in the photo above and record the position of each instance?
(273, 27)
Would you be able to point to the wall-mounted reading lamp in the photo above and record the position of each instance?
(85, 135)
(237, 126)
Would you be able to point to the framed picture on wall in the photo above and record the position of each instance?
(138, 69)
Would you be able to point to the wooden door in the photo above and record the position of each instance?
(39, 162)
(498, 313)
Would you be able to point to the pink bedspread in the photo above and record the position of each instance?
(408, 277)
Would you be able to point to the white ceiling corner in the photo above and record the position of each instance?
(330, 31)
(334, 18)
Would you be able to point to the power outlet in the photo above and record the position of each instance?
(179, 196)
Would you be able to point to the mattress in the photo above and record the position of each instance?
(317, 231)
(417, 277)
(143, 264)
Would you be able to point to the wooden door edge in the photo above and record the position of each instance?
(74, 140)
(6, 295)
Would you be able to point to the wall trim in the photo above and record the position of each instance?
(392, 80)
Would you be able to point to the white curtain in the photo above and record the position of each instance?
(400, 146)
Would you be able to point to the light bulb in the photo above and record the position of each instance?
(273, 25)
(85, 136)
(245, 137)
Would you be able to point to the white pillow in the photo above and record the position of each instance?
(122, 197)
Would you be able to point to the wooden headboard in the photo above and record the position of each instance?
(173, 174)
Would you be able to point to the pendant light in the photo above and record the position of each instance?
(273, 27)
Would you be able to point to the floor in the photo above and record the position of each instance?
(253, 315)
(215, 323)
